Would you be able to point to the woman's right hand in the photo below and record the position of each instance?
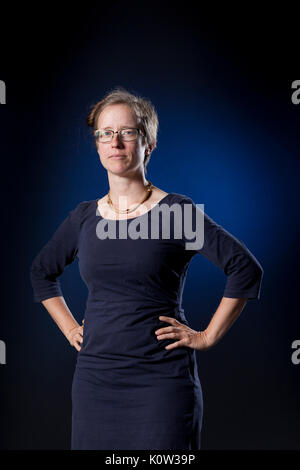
(75, 336)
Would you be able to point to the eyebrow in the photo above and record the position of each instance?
(122, 127)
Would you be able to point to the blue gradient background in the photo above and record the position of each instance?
(228, 138)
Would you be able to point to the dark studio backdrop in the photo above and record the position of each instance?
(228, 138)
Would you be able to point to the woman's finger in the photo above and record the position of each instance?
(77, 343)
(167, 329)
(177, 344)
(172, 335)
(79, 331)
(76, 337)
(79, 337)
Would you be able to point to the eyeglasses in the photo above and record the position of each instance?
(128, 134)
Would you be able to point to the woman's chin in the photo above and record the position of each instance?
(118, 167)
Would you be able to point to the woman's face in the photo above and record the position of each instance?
(115, 117)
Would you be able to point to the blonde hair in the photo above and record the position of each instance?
(143, 109)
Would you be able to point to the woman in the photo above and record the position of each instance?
(136, 383)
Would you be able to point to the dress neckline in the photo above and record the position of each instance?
(132, 218)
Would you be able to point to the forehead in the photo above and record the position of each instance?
(116, 115)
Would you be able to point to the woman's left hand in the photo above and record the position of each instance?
(185, 335)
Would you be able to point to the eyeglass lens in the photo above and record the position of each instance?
(126, 134)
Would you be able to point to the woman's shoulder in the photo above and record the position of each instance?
(82, 209)
(180, 198)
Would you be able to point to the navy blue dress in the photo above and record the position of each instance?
(128, 391)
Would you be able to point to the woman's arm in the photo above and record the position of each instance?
(61, 314)
(244, 272)
(60, 251)
(227, 312)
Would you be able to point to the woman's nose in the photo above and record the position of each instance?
(116, 140)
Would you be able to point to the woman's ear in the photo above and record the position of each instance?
(151, 147)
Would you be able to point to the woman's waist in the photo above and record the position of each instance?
(122, 336)
(134, 310)
(135, 300)
(114, 364)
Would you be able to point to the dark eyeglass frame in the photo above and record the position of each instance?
(97, 136)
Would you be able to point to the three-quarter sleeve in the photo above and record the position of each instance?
(59, 251)
(244, 272)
